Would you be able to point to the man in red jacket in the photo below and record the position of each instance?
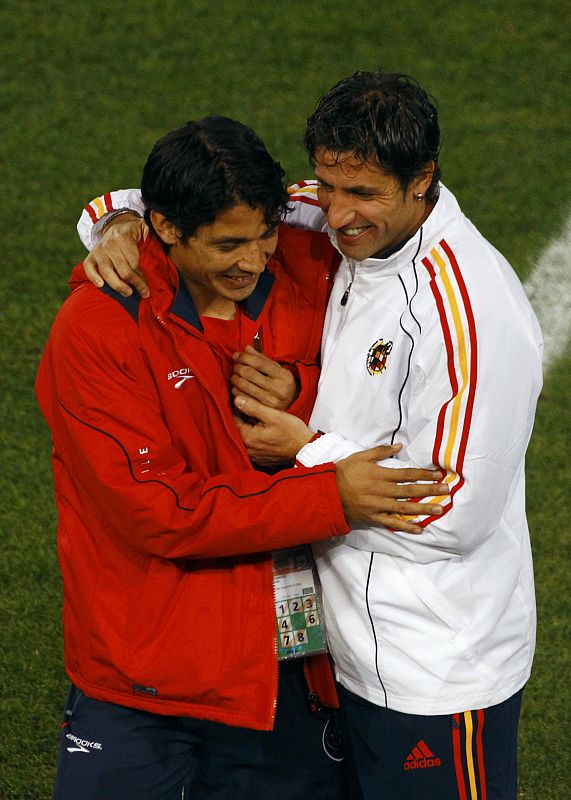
(166, 531)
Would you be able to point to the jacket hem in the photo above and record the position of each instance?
(468, 700)
(166, 707)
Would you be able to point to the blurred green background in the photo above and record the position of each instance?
(86, 90)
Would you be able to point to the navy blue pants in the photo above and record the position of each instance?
(110, 752)
(466, 756)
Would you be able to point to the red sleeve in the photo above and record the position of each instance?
(307, 377)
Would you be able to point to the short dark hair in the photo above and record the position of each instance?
(207, 166)
(382, 118)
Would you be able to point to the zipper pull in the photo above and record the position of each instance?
(351, 265)
(346, 295)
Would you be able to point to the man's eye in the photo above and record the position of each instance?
(324, 187)
(226, 248)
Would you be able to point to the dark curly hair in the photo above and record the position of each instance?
(382, 118)
(205, 167)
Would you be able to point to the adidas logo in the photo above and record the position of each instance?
(421, 757)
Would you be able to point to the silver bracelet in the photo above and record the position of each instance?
(114, 214)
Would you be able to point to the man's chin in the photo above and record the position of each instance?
(353, 251)
(239, 289)
(357, 247)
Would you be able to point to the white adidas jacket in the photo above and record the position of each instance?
(437, 348)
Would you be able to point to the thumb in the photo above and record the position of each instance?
(380, 452)
(253, 408)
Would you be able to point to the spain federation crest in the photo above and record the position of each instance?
(377, 357)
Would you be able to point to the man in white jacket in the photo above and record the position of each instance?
(430, 341)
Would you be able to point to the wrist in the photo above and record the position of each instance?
(121, 215)
(311, 437)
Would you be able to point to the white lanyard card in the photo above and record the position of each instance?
(297, 595)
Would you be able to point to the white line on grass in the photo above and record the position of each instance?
(549, 289)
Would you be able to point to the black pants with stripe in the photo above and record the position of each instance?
(466, 756)
(110, 752)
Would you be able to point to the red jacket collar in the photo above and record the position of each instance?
(170, 294)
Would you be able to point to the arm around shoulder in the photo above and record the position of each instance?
(102, 209)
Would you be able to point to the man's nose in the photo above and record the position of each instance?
(338, 209)
(254, 258)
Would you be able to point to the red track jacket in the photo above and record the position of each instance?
(164, 527)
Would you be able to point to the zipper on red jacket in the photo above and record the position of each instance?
(276, 660)
(172, 335)
(240, 447)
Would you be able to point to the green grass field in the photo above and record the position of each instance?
(86, 90)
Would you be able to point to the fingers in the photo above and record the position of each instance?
(396, 524)
(253, 408)
(380, 452)
(380, 482)
(102, 268)
(257, 359)
(369, 492)
(412, 474)
(275, 398)
(405, 490)
(265, 380)
(136, 278)
(402, 474)
(115, 259)
(249, 376)
(278, 436)
(117, 272)
(91, 269)
(397, 515)
(250, 362)
(406, 508)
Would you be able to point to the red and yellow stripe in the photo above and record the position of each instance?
(304, 192)
(468, 748)
(99, 206)
(459, 333)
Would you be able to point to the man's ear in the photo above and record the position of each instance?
(165, 230)
(421, 183)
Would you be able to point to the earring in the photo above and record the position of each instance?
(419, 197)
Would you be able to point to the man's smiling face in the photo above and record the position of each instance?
(366, 206)
(222, 262)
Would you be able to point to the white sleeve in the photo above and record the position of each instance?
(325, 448)
(471, 413)
(304, 210)
(102, 209)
